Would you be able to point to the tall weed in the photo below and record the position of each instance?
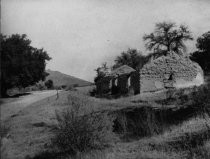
(201, 100)
(77, 132)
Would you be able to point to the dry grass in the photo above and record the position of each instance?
(4, 130)
(76, 132)
(183, 141)
(86, 90)
(32, 131)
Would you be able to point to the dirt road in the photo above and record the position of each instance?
(11, 106)
(29, 119)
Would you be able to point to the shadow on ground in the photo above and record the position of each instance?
(48, 155)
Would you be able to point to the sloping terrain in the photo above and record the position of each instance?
(60, 79)
(32, 129)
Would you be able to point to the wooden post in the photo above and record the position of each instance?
(57, 94)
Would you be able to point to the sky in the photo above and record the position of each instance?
(80, 35)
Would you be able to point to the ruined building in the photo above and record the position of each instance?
(171, 71)
(121, 79)
(117, 81)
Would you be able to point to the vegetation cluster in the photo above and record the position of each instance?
(166, 38)
(21, 64)
(183, 132)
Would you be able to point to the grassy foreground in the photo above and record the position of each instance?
(33, 129)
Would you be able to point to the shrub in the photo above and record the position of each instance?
(78, 133)
(201, 100)
(69, 88)
(4, 130)
(49, 84)
(75, 85)
(200, 152)
(40, 86)
(63, 86)
(92, 92)
(57, 87)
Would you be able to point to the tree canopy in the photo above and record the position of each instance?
(101, 72)
(22, 64)
(202, 55)
(167, 37)
(132, 58)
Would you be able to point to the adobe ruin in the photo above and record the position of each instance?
(118, 81)
(165, 72)
(171, 71)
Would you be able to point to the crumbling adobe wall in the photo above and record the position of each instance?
(171, 71)
(135, 82)
(123, 83)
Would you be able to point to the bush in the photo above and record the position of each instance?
(57, 87)
(78, 133)
(70, 88)
(40, 86)
(92, 92)
(4, 130)
(201, 100)
(75, 85)
(63, 86)
(49, 84)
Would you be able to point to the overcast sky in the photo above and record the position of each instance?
(81, 34)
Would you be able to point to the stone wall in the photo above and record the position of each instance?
(170, 71)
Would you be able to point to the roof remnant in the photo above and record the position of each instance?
(123, 70)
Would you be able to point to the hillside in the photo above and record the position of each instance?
(60, 79)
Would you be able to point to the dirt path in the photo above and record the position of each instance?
(29, 119)
(12, 106)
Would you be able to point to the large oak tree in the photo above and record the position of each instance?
(21, 64)
(167, 37)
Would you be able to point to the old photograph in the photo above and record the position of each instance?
(105, 79)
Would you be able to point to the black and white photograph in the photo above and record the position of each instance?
(105, 79)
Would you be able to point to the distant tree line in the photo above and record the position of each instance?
(21, 64)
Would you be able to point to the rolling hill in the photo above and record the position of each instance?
(60, 79)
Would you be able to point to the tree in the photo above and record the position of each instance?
(49, 84)
(202, 55)
(101, 72)
(21, 64)
(132, 58)
(167, 37)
